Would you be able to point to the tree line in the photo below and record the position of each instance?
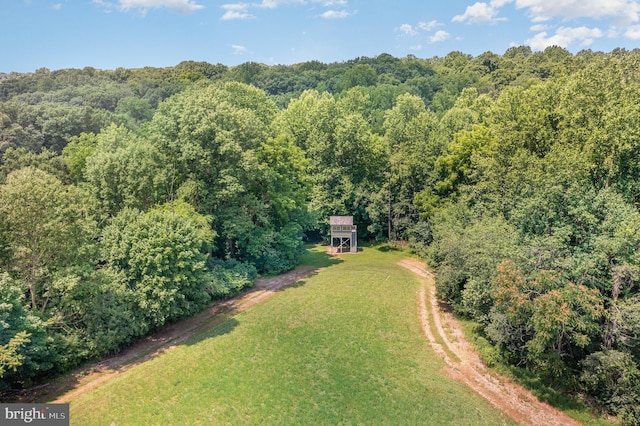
(131, 198)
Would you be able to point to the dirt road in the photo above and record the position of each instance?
(446, 338)
(86, 378)
(440, 328)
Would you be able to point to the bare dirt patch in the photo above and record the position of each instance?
(462, 363)
(66, 388)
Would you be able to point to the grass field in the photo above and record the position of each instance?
(342, 347)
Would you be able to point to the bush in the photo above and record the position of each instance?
(613, 378)
(162, 255)
(229, 277)
(274, 252)
(465, 254)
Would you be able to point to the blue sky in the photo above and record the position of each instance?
(108, 34)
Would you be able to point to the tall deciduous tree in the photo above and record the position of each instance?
(412, 150)
(220, 154)
(122, 170)
(345, 157)
(47, 226)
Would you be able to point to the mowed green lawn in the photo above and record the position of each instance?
(342, 347)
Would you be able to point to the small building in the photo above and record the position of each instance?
(344, 234)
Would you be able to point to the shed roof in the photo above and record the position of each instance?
(341, 220)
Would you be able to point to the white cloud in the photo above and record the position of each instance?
(613, 33)
(181, 6)
(500, 3)
(239, 50)
(408, 30)
(439, 36)
(564, 37)
(331, 3)
(412, 31)
(57, 6)
(633, 32)
(480, 13)
(272, 4)
(623, 18)
(429, 26)
(623, 11)
(236, 11)
(335, 14)
(243, 10)
(539, 28)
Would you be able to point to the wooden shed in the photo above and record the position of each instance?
(344, 234)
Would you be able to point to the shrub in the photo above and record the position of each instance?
(229, 277)
(613, 378)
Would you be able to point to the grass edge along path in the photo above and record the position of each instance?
(343, 346)
(447, 339)
(67, 387)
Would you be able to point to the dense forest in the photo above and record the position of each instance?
(131, 198)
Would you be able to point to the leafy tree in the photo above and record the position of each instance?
(285, 182)
(248, 72)
(47, 227)
(565, 322)
(229, 276)
(457, 165)
(77, 151)
(135, 110)
(359, 75)
(122, 170)
(466, 252)
(561, 319)
(409, 129)
(210, 71)
(24, 345)
(221, 155)
(625, 325)
(342, 151)
(161, 254)
(18, 158)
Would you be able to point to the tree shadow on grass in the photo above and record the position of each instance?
(226, 324)
(216, 320)
(317, 256)
(387, 248)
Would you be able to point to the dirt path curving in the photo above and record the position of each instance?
(440, 328)
(446, 338)
(68, 387)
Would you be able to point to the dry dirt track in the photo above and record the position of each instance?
(438, 326)
(66, 388)
(446, 338)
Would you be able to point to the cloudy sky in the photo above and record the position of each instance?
(108, 34)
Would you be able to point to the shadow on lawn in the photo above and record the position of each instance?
(387, 248)
(317, 256)
(216, 320)
(227, 325)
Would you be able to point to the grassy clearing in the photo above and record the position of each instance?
(343, 347)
